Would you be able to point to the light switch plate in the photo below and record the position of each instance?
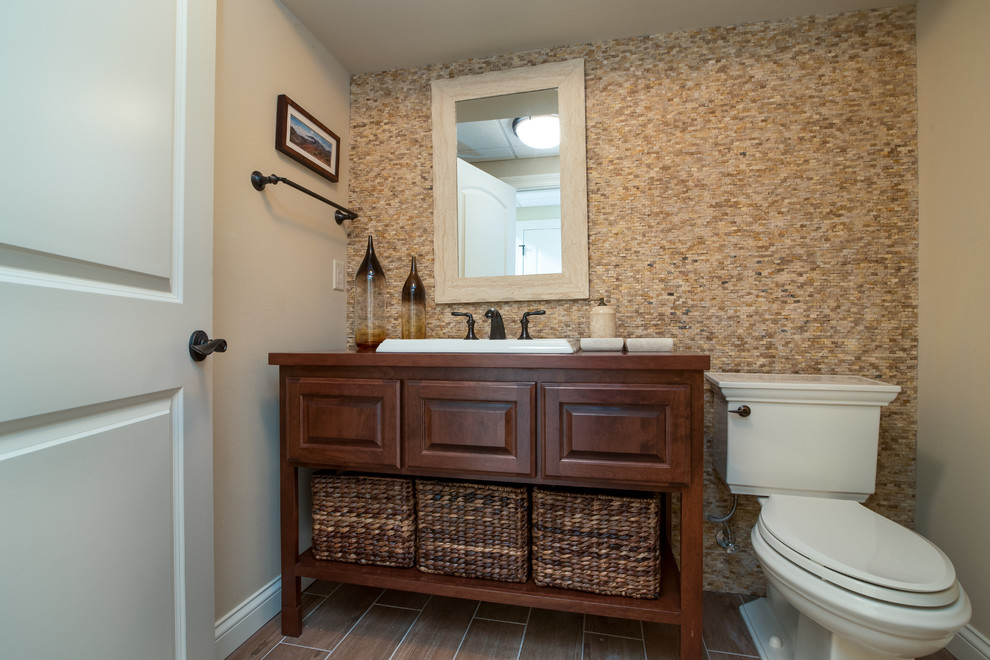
(338, 275)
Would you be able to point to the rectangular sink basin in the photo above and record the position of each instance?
(529, 346)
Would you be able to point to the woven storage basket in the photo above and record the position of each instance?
(473, 530)
(606, 544)
(364, 520)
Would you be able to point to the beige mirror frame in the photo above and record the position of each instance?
(568, 78)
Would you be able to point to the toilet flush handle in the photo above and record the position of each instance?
(742, 411)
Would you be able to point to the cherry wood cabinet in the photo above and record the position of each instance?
(595, 420)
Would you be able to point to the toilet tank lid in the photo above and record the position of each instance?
(850, 539)
(813, 388)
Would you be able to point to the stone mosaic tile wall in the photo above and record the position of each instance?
(752, 192)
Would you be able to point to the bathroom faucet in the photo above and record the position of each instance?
(498, 327)
(525, 323)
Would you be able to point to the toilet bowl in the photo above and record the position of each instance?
(843, 582)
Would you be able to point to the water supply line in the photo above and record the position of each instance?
(724, 537)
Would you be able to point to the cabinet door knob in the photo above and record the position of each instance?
(200, 345)
(742, 411)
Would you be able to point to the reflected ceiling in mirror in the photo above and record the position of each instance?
(535, 247)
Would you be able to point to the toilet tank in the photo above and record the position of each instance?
(804, 435)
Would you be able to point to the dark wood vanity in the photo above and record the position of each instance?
(618, 421)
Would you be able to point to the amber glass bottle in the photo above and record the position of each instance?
(413, 306)
(369, 302)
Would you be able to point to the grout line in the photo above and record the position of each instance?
(584, 627)
(635, 639)
(411, 626)
(642, 633)
(300, 646)
(399, 607)
(485, 618)
(522, 641)
(464, 636)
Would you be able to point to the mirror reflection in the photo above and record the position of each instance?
(530, 241)
(508, 185)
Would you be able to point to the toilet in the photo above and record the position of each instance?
(843, 582)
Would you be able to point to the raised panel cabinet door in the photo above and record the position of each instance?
(477, 426)
(343, 422)
(621, 432)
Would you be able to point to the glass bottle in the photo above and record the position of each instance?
(413, 306)
(369, 302)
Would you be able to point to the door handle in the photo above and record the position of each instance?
(743, 411)
(200, 345)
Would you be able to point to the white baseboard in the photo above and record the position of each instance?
(237, 626)
(969, 644)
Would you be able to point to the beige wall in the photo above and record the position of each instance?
(752, 192)
(273, 273)
(954, 351)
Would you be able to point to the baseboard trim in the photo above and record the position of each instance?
(969, 644)
(237, 626)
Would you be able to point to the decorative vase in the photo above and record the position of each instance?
(369, 302)
(413, 306)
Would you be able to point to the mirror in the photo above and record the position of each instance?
(542, 207)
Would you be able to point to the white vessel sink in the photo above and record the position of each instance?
(476, 346)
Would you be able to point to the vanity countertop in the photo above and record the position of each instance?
(579, 360)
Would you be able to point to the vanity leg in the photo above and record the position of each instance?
(291, 584)
(691, 570)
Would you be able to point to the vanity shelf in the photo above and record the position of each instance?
(603, 421)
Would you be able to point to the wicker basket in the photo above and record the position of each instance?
(364, 520)
(606, 544)
(473, 530)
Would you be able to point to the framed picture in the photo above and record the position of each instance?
(300, 136)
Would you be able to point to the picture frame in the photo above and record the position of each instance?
(302, 137)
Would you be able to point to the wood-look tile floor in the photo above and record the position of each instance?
(348, 622)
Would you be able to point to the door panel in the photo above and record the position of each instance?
(80, 502)
(105, 259)
(627, 432)
(465, 425)
(486, 223)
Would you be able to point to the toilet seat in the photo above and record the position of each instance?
(845, 543)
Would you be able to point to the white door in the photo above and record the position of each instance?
(106, 164)
(486, 214)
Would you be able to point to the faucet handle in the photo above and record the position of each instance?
(470, 324)
(525, 322)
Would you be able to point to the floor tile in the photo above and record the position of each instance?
(552, 635)
(662, 641)
(270, 634)
(499, 612)
(438, 631)
(612, 626)
(407, 599)
(491, 640)
(321, 588)
(607, 647)
(724, 630)
(292, 652)
(327, 625)
(377, 634)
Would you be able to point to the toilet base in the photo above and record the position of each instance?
(781, 632)
(771, 638)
